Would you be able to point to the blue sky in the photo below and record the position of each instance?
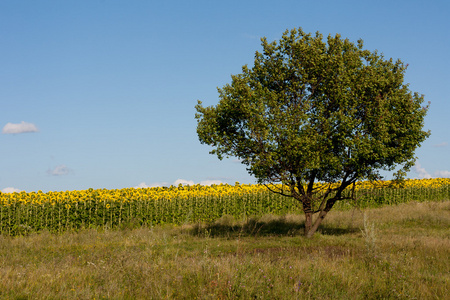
(101, 94)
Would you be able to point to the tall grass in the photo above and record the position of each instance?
(392, 252)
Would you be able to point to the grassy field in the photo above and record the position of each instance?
(393, 252)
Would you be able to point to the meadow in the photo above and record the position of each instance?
(392, 244)
(392, 252)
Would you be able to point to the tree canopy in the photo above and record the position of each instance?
(316, 110)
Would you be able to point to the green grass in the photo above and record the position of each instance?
(392, 252)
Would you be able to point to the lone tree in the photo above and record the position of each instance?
(314, 111)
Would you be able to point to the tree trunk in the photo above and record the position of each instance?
(312, 229)
(308, 222)
(322, 215)
(307, 209)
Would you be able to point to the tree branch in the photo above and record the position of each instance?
(278, 192)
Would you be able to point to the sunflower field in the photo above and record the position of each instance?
(23, 212)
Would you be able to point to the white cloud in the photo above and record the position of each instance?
(23, 127)
(424, 174)
(421, 171)
(176, 183)
(183, 182)
(444, 144)
(210, 182)
(59, 170)
(155, 184)
(442, 174)
(141, 185)
(11, 190)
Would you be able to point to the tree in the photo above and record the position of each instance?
(312, 110)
